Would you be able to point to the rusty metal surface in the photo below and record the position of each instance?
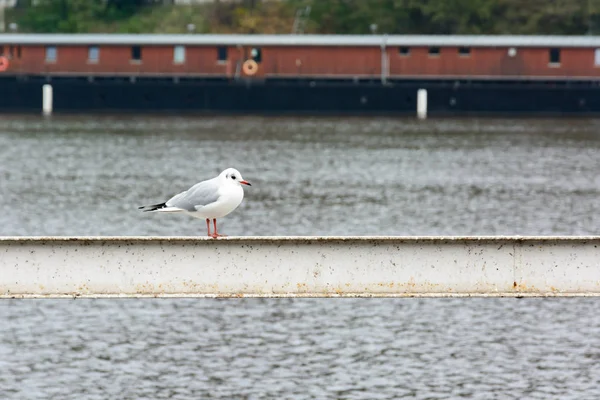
(299, 266)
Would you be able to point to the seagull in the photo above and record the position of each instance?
(210, 199)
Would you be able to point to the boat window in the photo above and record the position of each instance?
(136, 53)
(256, 54)
(464, 51)
(179, 54)
(404, 51)
(51, 54)
(93, 54)
(222, 53)
(554, 56)
(434, 51)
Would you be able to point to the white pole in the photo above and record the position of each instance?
(422, 103)
(47, 99)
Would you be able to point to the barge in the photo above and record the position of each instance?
(301, 74)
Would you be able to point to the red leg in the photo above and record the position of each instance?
(208, 226)
(216, 233)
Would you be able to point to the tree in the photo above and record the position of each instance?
(557, 17)
(326, 16)
(70, 16)
(401, 16)
(119, 9)
(67, 16)
(455, 16)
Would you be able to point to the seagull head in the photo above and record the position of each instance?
(232, 175)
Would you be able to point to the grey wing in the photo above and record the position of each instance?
(196, 197)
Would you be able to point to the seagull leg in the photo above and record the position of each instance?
(215, 233)
(208, 226)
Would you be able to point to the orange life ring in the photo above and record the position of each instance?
(250, 67)
(3, 63)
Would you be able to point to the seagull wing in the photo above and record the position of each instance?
(196, 197)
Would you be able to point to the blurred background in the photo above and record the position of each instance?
(559, 17)
(86, 172)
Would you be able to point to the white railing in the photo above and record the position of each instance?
(299, 266)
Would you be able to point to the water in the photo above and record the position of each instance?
(86, 175)
(300, 349)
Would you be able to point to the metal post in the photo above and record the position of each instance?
(422, 103)
(47, 99)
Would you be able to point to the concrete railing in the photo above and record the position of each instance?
(299, 266)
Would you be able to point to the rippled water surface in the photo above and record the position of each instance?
(86, 175)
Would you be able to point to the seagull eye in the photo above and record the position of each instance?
(233, 177)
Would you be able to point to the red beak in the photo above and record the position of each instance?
(245, 183)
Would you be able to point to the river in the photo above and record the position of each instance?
(86, 175)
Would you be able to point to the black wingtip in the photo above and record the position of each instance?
(152, 207)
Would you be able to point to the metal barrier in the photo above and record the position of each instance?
(299, 266)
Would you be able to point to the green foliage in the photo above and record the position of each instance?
(70, 16)
(326, 16)
(59, 15)
(453, 16)
(456, 16)
(545, 17)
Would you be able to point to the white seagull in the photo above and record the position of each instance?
(211, 199)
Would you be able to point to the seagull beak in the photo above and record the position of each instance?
(245, 183)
